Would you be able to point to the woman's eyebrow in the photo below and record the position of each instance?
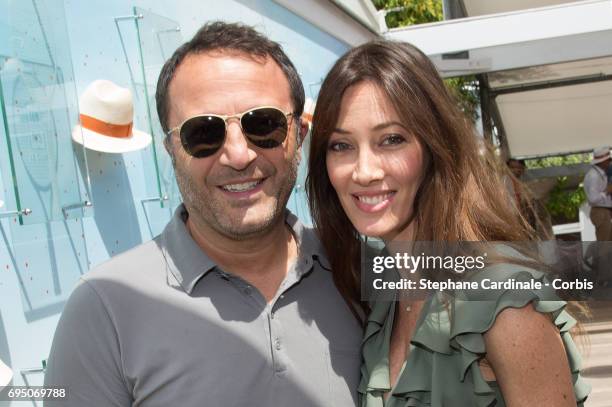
(341, 131)
(384, 125)
(379, 126)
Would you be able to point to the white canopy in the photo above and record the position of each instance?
(560, 119)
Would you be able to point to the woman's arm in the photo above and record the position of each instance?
(526, 352)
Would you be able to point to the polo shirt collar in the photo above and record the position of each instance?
(187, 263)
(309, 245)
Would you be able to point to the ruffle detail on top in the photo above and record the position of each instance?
(443, 366)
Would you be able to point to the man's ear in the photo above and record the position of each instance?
(303, 130)
(306, 118)
(168, 144)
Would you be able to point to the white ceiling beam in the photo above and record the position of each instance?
(333, 20)
(362, 11)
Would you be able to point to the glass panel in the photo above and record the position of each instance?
(39, 107)
(48, 258)
(298, 201)
(157, 38)
(39, 167)
(314, 88)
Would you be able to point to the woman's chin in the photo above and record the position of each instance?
(375, 231)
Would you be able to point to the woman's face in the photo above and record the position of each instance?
(374, 163)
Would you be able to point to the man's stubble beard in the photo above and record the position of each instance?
(211, 213)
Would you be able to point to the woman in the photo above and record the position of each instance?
(392, 157)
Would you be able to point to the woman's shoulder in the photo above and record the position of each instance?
(524, 334)
(534, 356)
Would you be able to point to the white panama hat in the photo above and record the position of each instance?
(106, 114)
(309, 108)
(600, 154)
(6, 374)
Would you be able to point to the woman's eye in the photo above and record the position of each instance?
(393, 139)
(338, 146)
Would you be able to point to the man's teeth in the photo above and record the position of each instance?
(245, 186)
(373, 200)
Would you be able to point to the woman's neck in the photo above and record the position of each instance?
(407, 234)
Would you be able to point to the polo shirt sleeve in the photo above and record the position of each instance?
(85, 355)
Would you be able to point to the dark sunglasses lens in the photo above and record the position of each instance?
(202, 136)
(265, 127)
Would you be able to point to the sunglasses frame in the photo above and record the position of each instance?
(225, 118)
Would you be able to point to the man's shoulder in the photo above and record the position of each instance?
(591, 172)
(132, 266)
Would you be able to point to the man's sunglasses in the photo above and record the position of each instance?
(203, 135)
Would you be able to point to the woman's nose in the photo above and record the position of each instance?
(368, 168)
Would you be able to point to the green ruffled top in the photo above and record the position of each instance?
(442, 367)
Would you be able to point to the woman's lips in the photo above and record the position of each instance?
(373, 202)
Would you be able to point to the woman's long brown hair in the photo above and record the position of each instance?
(462, 197)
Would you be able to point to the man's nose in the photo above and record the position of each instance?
(368, 168)
(236, 151)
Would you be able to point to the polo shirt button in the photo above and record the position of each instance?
(248, 290)
(277, 344)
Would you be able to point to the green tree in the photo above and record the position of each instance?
(563, 202)
(403, 13)
(410, 12)
(558, 161)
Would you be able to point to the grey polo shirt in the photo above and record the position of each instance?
(162, 325)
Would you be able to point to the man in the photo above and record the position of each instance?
(233, 304)
(516, 167)
(598, 192)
